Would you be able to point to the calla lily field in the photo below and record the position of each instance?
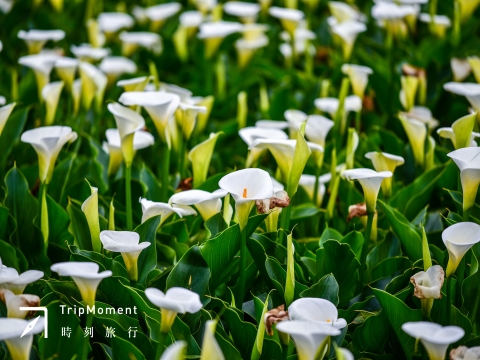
(228, 180)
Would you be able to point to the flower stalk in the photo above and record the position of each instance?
(128, 196)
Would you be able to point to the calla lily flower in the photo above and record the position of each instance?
(370, 181)
(11, 331)
(86, 52)
(42, 65)
(96, 37)
(428, 286)
(247, 48)
(464, 353)
(85, 275)
(439, 24)
(461, 133)
(128, 122)
(460, 68)
(458, 239)
(295, 118)
(14, 302)
(51, 95)
(11, 280)
(151, 209)
(5, 112)
(190, 19)
(185, 94)
(90, 209)
(330, 105)
(158, 14)
(343, 12)
(250, 134)
(159, 105)
(213, 34)
(272, 124)
(246, 186)
(132, 40)
(200, 157)
(202, 118)
(128, 244)
(94, 83)
(115, 66)
(408, 93)
(308, 336)
(385, 162)
(347, 32)
(134, 84)
(47, 142)
(358, 76)
(66, 68)
(283, 152)
(344, 354)
(246, 12)
(316, 310)
(474, 62)
(112, 22)
(113, 146)
(467, 8)
(207, 204)
(210, 348)
(417, 133)
(392, 16)
(307, 182)
(468, 162)
(175, 300)
(289, 18)
(176, 351)
(188, 118)
(434, 337)
(36, 39)
(317, 129)
(5, 7)
(470, 90)
(424, 115)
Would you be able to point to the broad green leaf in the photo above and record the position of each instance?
(303, 212)
(373, 334)
(355, 240)
(325, 288)
(147, 261)
(10, 134)
(387, 268)
(330, 234)
(300, 158)
(78, 225)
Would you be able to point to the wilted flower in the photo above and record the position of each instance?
(435, 338)
(274, 316)
(428, 284)
(279, 199)
(14, 302)
(85, 275)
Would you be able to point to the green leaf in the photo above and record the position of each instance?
(387, 268)
(243, 333)
(11, 134)
(58, 222)
(355, 240)
(339, 259)
(147, 261)
(303, 212)
(325, 288)
(258, 346)
(215, 225)
(78, 225)
(372, 335)
(278, 276)
(398, 314)
(408, 234)
(12, 257)
(329, 234)
(300, 158)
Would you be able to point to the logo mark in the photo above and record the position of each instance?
(31, 324)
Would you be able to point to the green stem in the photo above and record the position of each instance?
(86, 340)
(460, 276)
(366, 243)
(181, 158)
(466, 214)
(449, 300)
(243, 269)
(160, 347)
(315, 189)
(358, 116)
(285, 223)
(165, 172)
(128, 196)
(44, 213)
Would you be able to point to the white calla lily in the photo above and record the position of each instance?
(474, 62)
(115, 66)
(317, 129)
(461, 133)
(458, 239)
(308, 336)
(434, 337)
(295, 118)
(188, 118)
(468, 161)
(94, 83)
(330, 105)
(210, 348)
(159, 105)
(439, 24)
(246, 49)
(246, 186)
(316, 310)
(207, 204)
(358, 76)
(11, 331)
(213, 34)
(342, 11)
(417, 134)
(175, 300)
(66, 68)
(85, 275)
(424, 115)
(112, 22)
(307, 182)
(90, 209)
(470, 90)
(190, 19)
(151, 209)
(47, 142)
(344, 354)
(383, 161)
(158, 14)
(36, 39)
(5, 112)
(348, 32)
(271, 124)
(148, 40)
(176, 351)
(461, 69)
(128, 244)
(250, 134)
(51, 95)
(11, 280)
(14, 302)
(42, 65)
(85, 52)
(246, 12)
(467, 8)
(370, 181)
(6, 7)
(135, 84)
(3, 101)
(290, 18)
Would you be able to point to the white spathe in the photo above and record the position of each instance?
(330, 105)
(464, 353)
(470, 90)
(252, 133)
(41, 64)
(94, 82)
(115, 66)
(11, 280)
(207, 203)
(85, 275)
(111, 22)
(162, 12)
(343, 11)
(358, 76)
(51, 95)
(348, 32)
(272, 124)
(434, 337)
(175, 351)
(87, 52)
(5, 112)
(148, 40)
(307, 182)
(36, 39)
(246, 12)
(468, 161)
(308, 336)
(317, 310)
(428, 284)
(14, 302)
(135, 84)
(190, 19)
(151, 209)
(370, 181)
(460, 68)
(458, 239)
(11, 331)
(48, 142)
(383, 161)
(317, 129)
